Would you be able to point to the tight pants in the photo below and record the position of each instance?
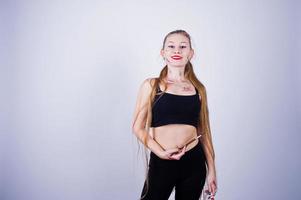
(186, 175)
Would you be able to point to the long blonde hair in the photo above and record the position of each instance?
(203, 124)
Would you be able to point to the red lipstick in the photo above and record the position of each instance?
(176, 57)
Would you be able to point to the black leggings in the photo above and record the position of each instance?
(187, 175)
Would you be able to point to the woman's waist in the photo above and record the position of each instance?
(175, 136)
(195, 150)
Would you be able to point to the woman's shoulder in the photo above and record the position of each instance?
(149, 82)
(146, 89)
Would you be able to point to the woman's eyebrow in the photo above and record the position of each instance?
(173, 42)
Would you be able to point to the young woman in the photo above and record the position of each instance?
(171, 119)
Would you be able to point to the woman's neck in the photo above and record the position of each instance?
(176, 74)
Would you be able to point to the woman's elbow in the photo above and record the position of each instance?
(135, 130)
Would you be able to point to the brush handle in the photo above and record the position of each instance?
(192, 141)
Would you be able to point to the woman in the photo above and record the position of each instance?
(171, 120)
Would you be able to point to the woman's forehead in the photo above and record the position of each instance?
(177, 38)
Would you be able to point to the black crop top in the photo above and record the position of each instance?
(175, 109)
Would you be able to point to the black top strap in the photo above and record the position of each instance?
(158, 89)
(197, 92)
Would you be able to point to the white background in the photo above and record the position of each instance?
(70, 73)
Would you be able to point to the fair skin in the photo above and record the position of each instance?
(169, 141)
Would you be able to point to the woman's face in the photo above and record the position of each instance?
(177, 51)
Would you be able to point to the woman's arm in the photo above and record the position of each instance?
(140, 115)
(209, 159)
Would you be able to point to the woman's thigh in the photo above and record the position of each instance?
(193, 173)
(162, 175)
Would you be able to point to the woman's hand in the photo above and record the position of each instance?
(172, 154)
(212, 183)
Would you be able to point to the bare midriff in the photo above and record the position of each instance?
(175, 136)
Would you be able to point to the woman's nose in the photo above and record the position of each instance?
(177, 50)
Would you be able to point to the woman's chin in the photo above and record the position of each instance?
(179, 65)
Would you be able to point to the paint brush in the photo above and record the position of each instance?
(191, 141)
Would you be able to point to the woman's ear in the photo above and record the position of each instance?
(162, 52)
(191, 54)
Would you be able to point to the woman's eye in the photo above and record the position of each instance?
(183, 47)
(171, 46)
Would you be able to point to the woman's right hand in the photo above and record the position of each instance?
(172, 154)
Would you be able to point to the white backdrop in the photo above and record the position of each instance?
(70, 73)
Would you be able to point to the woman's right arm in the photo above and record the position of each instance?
(139, 122)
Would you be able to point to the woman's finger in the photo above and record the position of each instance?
(213, 186)
(210, 188)
(182, 151)
(177, 156)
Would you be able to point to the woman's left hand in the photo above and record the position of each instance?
(212, 183)
(178, 155)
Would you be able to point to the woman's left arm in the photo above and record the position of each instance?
(211, 176)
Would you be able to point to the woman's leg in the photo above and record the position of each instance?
(162, 176)
(192, 175)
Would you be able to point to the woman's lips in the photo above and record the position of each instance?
(176, 57)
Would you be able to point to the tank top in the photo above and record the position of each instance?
(175, 109)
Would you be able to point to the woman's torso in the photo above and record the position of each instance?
(171, 134)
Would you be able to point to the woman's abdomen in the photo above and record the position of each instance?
(174, 135)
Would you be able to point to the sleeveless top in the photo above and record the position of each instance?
(175, 109)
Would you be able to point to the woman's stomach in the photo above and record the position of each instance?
(175, 136)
